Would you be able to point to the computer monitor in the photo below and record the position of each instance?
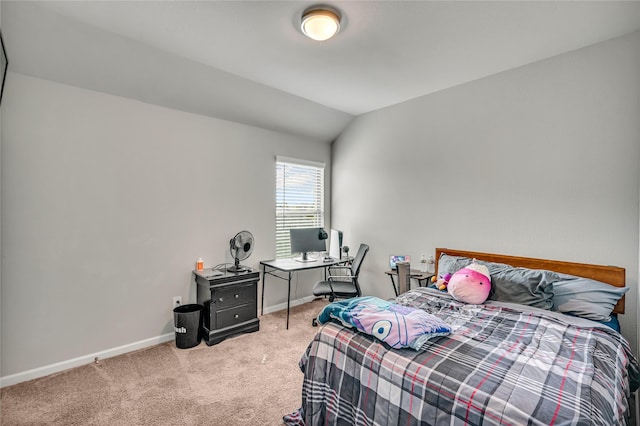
(305, 240)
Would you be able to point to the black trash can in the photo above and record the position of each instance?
(186, 319)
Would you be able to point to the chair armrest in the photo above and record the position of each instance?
(339, 269)
(350, 277)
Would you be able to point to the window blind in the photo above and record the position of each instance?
(299, 199)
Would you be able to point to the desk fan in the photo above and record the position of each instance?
(240, 247)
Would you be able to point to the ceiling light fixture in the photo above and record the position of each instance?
(320, 23)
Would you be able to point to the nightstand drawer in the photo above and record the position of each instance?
(234, 295)
(235, 315)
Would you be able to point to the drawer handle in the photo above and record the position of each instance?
(236, 316)
(237, 295)
(221, 299)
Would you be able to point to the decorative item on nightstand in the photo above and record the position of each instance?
(395, 259)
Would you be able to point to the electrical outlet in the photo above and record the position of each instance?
(177, 301)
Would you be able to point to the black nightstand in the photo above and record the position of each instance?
(230, 303)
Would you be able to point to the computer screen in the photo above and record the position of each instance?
(394, 258)
(305, 240)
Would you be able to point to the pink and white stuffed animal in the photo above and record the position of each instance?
(470, 284)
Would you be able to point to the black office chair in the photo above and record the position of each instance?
(342, 281)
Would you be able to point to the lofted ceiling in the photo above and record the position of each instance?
(247, 61)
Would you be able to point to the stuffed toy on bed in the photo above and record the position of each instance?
(442, 281)
(470, 284)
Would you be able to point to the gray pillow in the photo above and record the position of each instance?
(532, 287)
(450, 264)
(586, 298)
(568, 294)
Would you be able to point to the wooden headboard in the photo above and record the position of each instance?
(613, 275)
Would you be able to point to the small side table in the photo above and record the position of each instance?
(230, 302)
(422, 277)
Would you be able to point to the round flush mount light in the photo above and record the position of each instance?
(320, 23)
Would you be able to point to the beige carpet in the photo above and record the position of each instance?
(249, 379)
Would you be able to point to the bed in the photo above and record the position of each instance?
(530, 356)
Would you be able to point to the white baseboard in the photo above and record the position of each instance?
(82, 360)
(87, 359)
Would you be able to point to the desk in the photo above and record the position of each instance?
(416, 274)
(287, 267)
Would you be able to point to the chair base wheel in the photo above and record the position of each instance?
(314, 322)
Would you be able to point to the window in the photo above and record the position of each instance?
(299, 199)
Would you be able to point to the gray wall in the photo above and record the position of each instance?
(539, 161)
(107, 203)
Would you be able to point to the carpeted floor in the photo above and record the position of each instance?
(249, 379)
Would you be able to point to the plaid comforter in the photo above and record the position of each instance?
(500, 366)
